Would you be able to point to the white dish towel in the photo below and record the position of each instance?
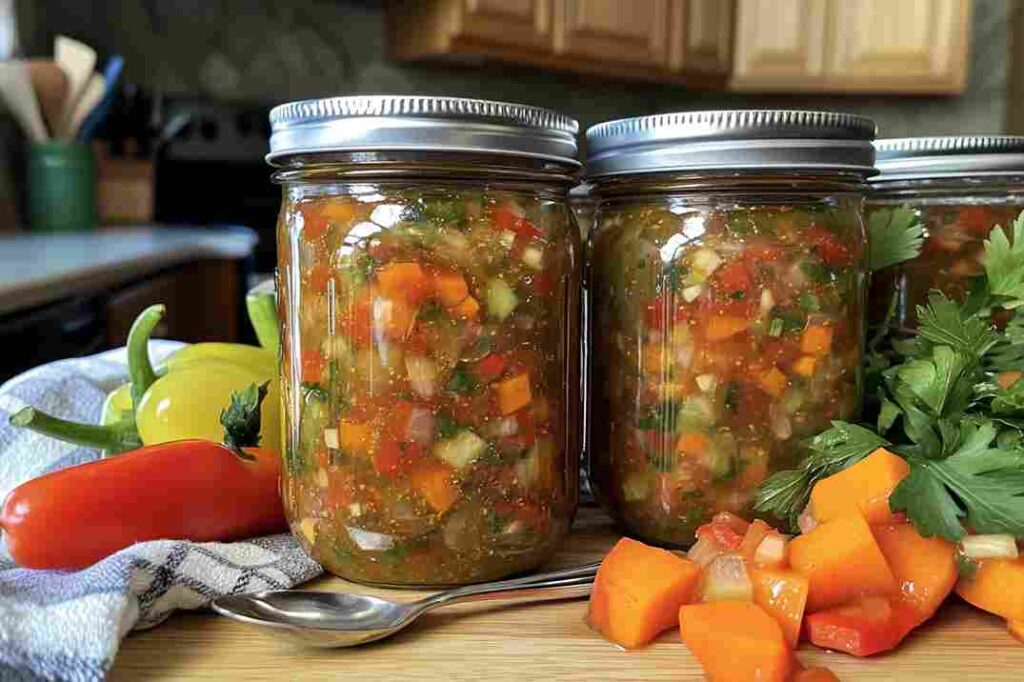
(68, 625)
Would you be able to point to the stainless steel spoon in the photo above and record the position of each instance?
(334, 619)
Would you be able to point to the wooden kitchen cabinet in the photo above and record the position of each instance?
(675, 40)
(841, 46)
(904, 46)
(607, 30)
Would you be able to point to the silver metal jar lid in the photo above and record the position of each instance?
(731, 141)
(424, 124)
(919, 158)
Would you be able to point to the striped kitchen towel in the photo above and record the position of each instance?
(67, 625)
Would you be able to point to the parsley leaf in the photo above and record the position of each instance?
(1004, 264)
(941, 323)
(980, 484)
(894, 235)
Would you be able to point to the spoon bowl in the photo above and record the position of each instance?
(335, 619)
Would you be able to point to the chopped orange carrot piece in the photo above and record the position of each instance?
(513, 393)
(340, 210)
(723, 326)
(355, 437)
(773, 382)
(864, 487)
(404, 281)
(841, 561)
(817, 339)
(692, 443)
(469, 309)
(997, 587)
(450, 288)
(783, 595)
(433, 480)
(736, 641)
(925, 568)
(804, 365)
(638, 592)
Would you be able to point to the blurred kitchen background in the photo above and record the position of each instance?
(179, 156)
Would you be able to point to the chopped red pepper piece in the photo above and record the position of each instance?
(828, 246)
(868, 626)
(734, 278)
(490, 367)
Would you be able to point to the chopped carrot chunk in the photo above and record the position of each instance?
(804, 365)
(862, 488)
(404, 281)
(513, 393)
(817, 339)
(638, 592)
(736, 640)
(692, 443)
(450, 288)
(724, 326)
(773, 382)
(469, 309)
(355, 437)
(433, 480)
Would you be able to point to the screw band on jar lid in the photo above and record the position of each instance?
(921, 158)
(422, 124)
(732, 140)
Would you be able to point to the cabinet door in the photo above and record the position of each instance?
(779, 44)
(905, 46)
(700, 36)
(515, 23)
(614, 31)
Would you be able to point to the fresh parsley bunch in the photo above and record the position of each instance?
(949, 402)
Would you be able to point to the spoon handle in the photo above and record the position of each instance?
(565, 584)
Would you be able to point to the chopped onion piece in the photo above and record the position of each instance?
(704, 551)
(422, 375)
(706, 261)
(321, 479)
(533, 258)
(995, 546)
(706, 382)
(421, 426)
(690, 294)
(767, 301)
(772, 550)
(726, 578)
(331, 438)
(507, 238)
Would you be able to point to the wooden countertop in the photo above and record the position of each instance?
(545, 641)
(41, 268)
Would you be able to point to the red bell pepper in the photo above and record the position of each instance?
(865, 627)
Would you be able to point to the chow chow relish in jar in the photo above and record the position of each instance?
(429, 280)
(727, 289)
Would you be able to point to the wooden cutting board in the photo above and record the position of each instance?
(528, 643)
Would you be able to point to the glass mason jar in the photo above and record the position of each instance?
(960, 188)
(727, 284)
(429, 277)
